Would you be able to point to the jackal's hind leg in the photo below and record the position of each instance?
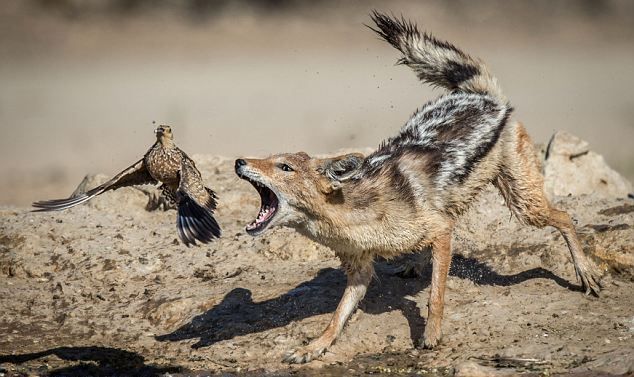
(587, 273)
(522, 186)
(358, 280)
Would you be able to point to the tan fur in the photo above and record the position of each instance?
(365, 218)
(407, 195)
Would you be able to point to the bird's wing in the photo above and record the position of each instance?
(169, 194)
(211, 204)
(136, 174)
(196, 204)
(191, 183)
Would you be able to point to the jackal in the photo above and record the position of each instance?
(408, 194)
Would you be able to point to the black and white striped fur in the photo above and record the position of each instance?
(458, 129)
(407, 196)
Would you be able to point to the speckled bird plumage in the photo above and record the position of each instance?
(181, 183)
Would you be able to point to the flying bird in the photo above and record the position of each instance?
(181, 183)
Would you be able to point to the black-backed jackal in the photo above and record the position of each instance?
(408, 194)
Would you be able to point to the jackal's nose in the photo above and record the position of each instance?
(240, 162)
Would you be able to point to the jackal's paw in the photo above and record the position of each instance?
(431, 339)
(304, 354)
(413, 266)
(408, 270)
(590, 280)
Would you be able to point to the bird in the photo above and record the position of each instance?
(181, 183)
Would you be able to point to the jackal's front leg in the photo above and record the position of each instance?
(358, 281)
(441, 259)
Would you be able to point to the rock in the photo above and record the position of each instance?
(167, 313)
(89, 181)
(571, 168)
(129, 196)
(616, 363)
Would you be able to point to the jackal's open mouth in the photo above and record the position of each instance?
(268, 208)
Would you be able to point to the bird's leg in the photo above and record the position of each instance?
(156, 200)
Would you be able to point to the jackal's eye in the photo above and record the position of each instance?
(285, 167)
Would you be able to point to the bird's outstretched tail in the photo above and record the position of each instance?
(436, 62)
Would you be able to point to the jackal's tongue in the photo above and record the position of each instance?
(266, 212)
(267, 209)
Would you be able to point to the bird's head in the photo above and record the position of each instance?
(163, 133)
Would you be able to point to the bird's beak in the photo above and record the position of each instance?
(158, 131)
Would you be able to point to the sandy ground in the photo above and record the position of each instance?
(106, 288)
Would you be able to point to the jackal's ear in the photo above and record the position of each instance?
(341, 168)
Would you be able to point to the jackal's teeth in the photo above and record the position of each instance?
(268, 207)
(263, 212)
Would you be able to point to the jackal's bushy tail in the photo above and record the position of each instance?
(436, 62)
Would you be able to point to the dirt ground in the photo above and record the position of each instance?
(107, 289)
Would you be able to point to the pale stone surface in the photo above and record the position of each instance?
(571, 168)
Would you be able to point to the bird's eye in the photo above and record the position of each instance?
(285, 167)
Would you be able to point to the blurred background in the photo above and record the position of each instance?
(82, 81)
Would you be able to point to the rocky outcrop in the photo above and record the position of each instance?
(571, 168)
